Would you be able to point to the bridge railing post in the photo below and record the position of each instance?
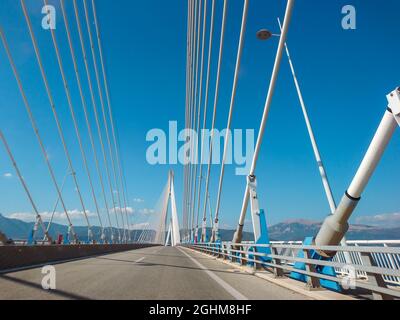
(373, 278)
(217, 250)
(243, 260)
(225, 252)
(230, 253)
(313, 283)
(278, 272)
(257, 264)
(233, 253)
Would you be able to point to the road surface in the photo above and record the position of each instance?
(157, 273)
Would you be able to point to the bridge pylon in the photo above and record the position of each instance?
(173, 228)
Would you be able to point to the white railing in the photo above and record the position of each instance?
(375, 265)
(384, 260)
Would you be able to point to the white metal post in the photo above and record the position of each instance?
(335, 226)
(288, 14)
(254, 206)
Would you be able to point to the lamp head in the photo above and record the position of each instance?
(264, 34)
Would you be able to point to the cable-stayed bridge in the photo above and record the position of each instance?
(173, 256)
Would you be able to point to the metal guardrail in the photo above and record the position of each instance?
(374, 266)
(382, 259)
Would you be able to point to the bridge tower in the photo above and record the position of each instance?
(173, 234)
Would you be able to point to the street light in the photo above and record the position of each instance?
(265, 34)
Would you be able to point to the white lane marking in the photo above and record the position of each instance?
(140, 260)
(232, 291)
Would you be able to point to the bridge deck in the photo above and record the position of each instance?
(151, 273)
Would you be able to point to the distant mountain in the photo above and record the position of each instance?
(296, 230)
(291, 230)
(227, 235)
(19, 230)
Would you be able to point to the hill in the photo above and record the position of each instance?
(294, 230)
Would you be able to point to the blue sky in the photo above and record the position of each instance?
(345, 76)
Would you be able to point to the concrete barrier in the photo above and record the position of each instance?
(12, 257)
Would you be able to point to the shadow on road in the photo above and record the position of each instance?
(153, 264)
(60, 293)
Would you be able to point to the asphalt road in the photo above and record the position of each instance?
(157, 273)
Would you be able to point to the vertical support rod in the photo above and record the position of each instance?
(289, 9)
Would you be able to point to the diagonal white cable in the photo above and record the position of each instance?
(268, 102)
(189, 112)
(324, 176)
(103, 112)
(210, 46)
(56, 118)
(196, 120)
(188, 62)
(217, 87)
(86, 113)
(317, 154)
(231, 108)
(94, 104)
(210, 212)
(72, 111)
(21, 179)
(57, 202)
(196, 107)
(190, 104)
(36, 131)
(113, 124)
(192, 108)
(126, 200)
(198, 181)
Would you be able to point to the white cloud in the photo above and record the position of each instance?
(388, 220)
(24, 216)
(73, 214)
(147, 211)
(139, 226)
(129, 210)
(138, 200)
(7, 175)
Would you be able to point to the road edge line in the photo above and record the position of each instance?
(228, 288)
